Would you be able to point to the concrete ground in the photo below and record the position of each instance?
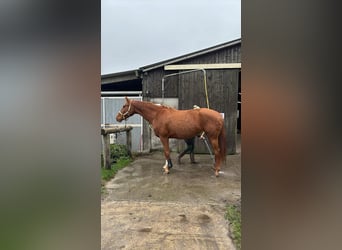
(146, 209)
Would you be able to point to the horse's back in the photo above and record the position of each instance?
(210, 113)
(195, 116)
(211, 120)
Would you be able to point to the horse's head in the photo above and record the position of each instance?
(126, 111)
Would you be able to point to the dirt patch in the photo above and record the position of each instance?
(146, 209)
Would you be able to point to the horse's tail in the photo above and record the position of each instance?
(223, 144)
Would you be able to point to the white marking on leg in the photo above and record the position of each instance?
(166, 168)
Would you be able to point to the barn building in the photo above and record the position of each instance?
(208, 78)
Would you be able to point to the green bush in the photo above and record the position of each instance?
(118, 151)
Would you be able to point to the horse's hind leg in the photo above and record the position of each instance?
(216, 148)
(168, 162)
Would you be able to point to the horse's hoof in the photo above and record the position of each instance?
(166, 169)
(217, 173)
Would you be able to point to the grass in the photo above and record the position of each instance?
(108, 174)
(121, 159)
(233, 215)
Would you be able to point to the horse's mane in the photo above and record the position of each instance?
(162, 105)
(158, 104)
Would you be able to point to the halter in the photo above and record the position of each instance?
(126, 113)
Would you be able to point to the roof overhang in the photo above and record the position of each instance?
(203, 66)
(120, 77)
(191, 55)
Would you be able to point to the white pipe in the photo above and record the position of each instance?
(121, 92)
(185, 72)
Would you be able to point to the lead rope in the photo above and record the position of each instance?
(202, 137)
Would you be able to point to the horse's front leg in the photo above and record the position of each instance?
(168, 162)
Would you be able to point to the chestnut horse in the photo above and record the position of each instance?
(181, 124)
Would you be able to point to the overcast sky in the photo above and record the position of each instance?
(135, 33)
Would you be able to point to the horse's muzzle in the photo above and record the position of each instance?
(119, 118)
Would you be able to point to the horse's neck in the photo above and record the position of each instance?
(147, 110)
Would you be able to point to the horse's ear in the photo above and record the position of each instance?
(127, 100)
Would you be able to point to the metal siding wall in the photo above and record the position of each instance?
(110, 106)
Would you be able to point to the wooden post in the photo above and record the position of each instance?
(105, 132)
(129, 141)
(106, 151)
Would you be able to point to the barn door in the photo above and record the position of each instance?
(222, 88)
(191, 92)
